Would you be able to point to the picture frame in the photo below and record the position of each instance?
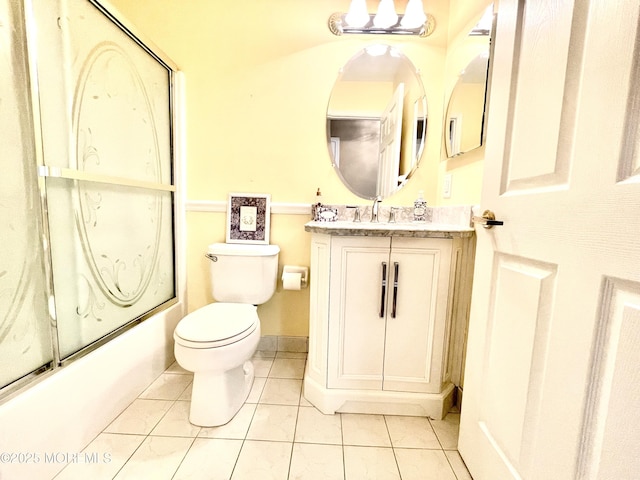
(248, 218)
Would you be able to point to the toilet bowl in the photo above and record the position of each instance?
(217, 341)
(217, 351)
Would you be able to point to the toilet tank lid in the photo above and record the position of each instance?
(249, 250)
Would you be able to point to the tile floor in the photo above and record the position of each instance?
(276, 435)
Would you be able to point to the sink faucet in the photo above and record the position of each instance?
(374, 209)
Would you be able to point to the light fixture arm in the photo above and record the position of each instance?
(339, 26)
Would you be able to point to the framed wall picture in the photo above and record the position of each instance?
(248, 218)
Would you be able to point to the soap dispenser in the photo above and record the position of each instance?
(420, 208)
(315, 205)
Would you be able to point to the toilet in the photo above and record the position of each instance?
(217, 341)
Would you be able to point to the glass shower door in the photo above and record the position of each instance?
(87, 213)
(25, 335)
(106, 124)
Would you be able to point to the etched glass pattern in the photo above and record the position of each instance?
(111, 243)
(25, 342)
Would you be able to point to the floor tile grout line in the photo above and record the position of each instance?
(293, 439)
(150, 431)
(146, 437)
(443, 449)
(173, 402)
(295, 429)
(193, 440)
(392, 446)
(124, 464)
(464, 465)
(244, 440)
(451, 466)
(344, 459)
(435, 432)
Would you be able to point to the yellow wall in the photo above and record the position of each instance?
(258, 78)
(360, 98)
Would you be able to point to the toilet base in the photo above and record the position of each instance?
(217, 396)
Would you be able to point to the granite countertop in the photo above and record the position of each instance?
(441, 222)
(400, 229)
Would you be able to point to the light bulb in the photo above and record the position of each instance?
(357, 15)
(386, 16)
(414, 15)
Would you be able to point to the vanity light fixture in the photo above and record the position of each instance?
(386, 21)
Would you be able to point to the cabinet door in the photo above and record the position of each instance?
(357, 325)
(414, 346)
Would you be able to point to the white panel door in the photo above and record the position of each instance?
(551, 385)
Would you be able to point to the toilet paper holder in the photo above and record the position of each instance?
(303, 271)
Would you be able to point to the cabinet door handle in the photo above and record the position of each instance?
(384, 288)
(396, 268)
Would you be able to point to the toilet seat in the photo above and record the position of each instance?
(216, 325)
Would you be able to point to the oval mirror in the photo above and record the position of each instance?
(465, 113)
(376, 121)
(465, 118)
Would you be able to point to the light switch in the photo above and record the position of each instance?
(446, 187)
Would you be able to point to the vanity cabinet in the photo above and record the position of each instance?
(388, 308)
(381, 318)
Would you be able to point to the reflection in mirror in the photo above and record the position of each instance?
(376, 121)
(465, 113)
(465, 119)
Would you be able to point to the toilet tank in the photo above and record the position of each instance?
(243, 273)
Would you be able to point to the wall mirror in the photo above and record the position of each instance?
(376, 121)
(465, 117)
